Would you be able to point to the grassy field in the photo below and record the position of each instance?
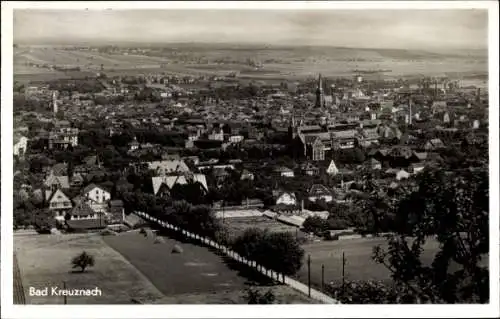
(44, 261)
(197, 275)
(359, 264)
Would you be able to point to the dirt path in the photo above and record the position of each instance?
(19, 297)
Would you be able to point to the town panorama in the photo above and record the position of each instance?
(227, 172)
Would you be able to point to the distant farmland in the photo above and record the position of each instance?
(277, 64)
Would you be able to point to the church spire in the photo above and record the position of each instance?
(320, 99)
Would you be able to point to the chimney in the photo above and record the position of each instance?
(478, 95)
(302, 205)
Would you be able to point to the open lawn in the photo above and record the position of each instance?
(197, 275)
(359, 264)
(44, 261)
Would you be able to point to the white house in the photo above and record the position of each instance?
(20, 145)
(402, 174)
(236, 138)
(286, 198)
(332, 169)
(96, 197)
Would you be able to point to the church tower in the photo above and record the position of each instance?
(292, 128)
(54, 102)
(320, 98)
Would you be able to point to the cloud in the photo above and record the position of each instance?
(363, 28)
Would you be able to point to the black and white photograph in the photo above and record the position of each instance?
(312, 154)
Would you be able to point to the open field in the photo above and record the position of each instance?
(359, 264)
(197, 275)
(291, 64)
(44, 261)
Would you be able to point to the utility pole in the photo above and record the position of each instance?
(323, 278)
(309, 274)
(343, 270)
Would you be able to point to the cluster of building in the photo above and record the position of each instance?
(388, 124)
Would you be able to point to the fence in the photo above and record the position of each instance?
(315, 294)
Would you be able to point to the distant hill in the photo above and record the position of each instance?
(360, 53)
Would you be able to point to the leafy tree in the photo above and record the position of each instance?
(248, 244)
(43, 221)
(83, 261)
(453, 207)
(190, 192)
(278, 251)
(60, 115)
(256, 297)
(315, 224)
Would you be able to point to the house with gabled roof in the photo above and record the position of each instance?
(309, 169)
(320, 192)
(97, 197)
(286, 198)
(76, 180)
(163, 184)
(332, 169)
(83, 217)
(167, 167)
(283, 171)
(434, 144)
(59, 169)
(59, 204)
(97, 194)
(54, 182)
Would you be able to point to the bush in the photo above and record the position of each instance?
(255, 297)
(370, 292)
(336, 224)
(83, 261)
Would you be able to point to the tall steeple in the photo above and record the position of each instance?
(320, 99)
(54, 102)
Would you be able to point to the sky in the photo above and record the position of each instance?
(412, 29)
